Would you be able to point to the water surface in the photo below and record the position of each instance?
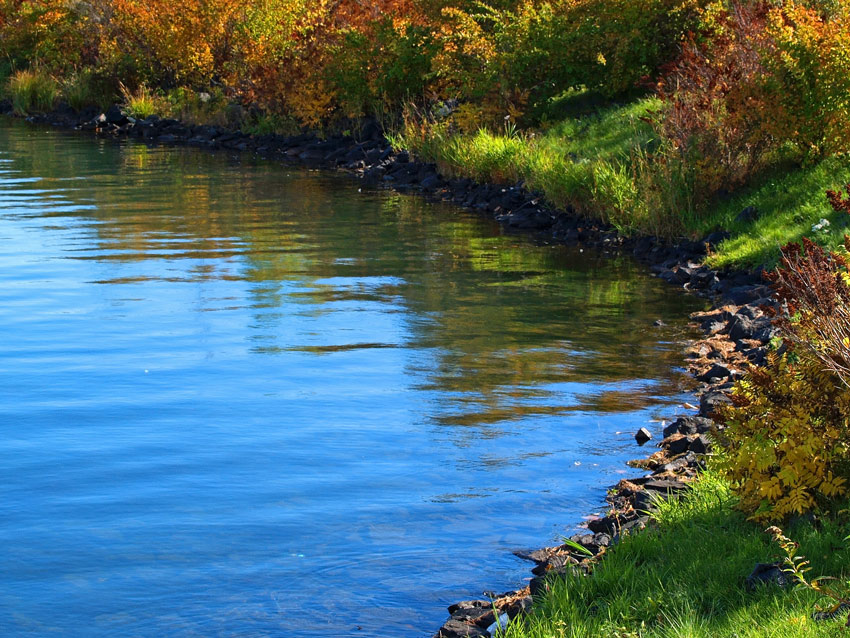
(242, 400)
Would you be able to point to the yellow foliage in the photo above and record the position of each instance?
(786, 438)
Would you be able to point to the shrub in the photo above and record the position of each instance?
(788, 434)
(786, 441)
(716, 102)
(810, 69)
(32, 91)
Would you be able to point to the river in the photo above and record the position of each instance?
(239, 399)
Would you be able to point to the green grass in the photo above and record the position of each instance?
(599, 163)
(790, 203)
(32, 91)
(686, 578)
(143, 102)
(584, 161)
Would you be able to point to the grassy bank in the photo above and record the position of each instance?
(601, 163)
(686, 577)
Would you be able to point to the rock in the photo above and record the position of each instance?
(768, 574)
(374, 175)
(748, 215)
(477, 612)
(676, 444)
(700, 444)
(556, 563)
(717, 371)
(114, 115)
(742, 327)
(635, 524)
(642, 436)
(459, 629)
(646, 501)
(715, 238)
(711, 401)
(536, 555)
(430, 182)
(689, 425)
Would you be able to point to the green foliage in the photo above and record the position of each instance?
(384, 68)
(32, 91)
(829, 587)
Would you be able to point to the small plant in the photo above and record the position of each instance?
(142, 103)
(32, 91)
(829, 587)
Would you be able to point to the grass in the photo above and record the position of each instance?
(84, 88)
(600, 163)
(790, 203)
(686, 578)
(585, 161)
(143, 102)
(32, 91)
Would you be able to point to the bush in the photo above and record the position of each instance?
(32, 91)
(788, 436)
(786, 442)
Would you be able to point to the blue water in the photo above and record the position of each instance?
(242, 400)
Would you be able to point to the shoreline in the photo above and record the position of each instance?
(736, 329)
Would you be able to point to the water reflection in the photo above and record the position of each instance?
(253, 401)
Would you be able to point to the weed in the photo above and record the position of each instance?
(32, 91)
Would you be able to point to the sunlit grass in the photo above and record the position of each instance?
(686, 578)
(789, 203)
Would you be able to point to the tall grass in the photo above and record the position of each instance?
(597, 164)
(143, 102)
(32, 91)
(84, 88)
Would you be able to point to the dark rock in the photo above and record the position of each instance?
(642, 436)
(374, 175)
(756, 356)
(677, 444)
(114, 115)
(689, 425)
(766, 333)
(746, 294)
(711, 401)
(717, 371)
(431, 182)
(558, 562)
(635, 524)
(605, 525)
(748, 215)
(741, 327)
(715, 238)
(645, 501)
(454, 628)
(768, 574)
(665, 485)
(700, 444)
